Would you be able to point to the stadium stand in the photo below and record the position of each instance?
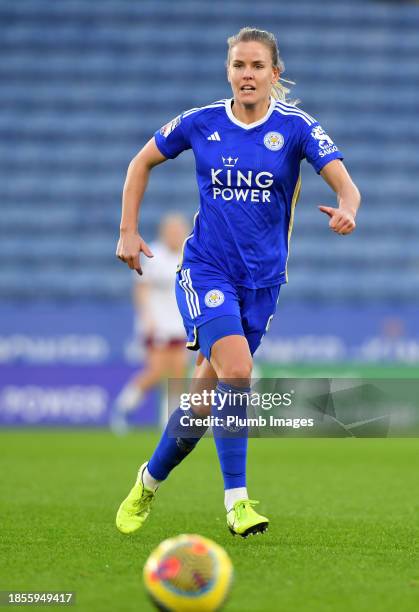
(85, 84)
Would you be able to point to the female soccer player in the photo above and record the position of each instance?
(248, 151)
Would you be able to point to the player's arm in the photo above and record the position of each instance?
(130, 243)
(342, 219)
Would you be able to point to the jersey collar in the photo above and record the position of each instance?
(248, 126)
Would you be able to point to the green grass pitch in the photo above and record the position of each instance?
(343, 536)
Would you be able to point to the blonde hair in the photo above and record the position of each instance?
(278, 91)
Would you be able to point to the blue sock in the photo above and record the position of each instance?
(231, 442)
(176, 443)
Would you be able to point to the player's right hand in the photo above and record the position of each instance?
(129, 248)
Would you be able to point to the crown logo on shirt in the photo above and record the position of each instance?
(230, 162)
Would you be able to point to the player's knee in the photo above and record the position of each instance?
(237, 371)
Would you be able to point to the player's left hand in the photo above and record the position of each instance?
(341, 221)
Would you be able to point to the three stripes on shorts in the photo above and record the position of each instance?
(192, 299)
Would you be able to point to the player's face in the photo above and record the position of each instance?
(250, 72)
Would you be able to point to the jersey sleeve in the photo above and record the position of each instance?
(173, 138)
(317, 147)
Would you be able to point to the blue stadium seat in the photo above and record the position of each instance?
(85, 84)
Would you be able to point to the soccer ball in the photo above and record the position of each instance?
(188, 573)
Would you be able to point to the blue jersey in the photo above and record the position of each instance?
(249, 181)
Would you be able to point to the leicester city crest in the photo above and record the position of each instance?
(273, 141)
(214, 298)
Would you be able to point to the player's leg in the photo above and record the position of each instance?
(154, 370)
(172, 448)
(178, 440)
(132, 393)
(197, 301)
(257, 309)
(213, 313)
(175, 444)
(165, 360)
(232, 361)
(176, 361)
(230, 351)
(176, 373)
(224, 343)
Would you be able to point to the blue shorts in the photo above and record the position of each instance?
(204, 294)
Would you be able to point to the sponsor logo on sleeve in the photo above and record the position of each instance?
(326, 144)
(169, 127)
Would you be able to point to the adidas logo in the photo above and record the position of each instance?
(214, 136)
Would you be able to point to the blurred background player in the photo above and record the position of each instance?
(157, 320)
